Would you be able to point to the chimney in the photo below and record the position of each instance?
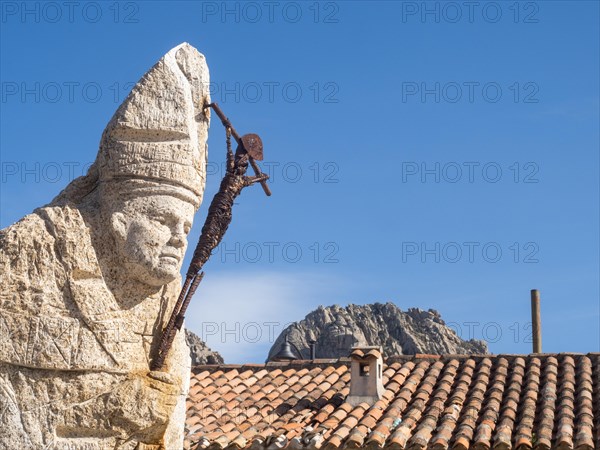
(536, 321)
(313, 349)
(366, 367)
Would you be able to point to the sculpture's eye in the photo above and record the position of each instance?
(161, 220)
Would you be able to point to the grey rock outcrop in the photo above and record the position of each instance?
(336, 329)
(200, 352)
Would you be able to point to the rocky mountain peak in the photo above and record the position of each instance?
(336, 329)
(200, 352)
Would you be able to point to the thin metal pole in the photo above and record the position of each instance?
(536, 321)
(176, 320)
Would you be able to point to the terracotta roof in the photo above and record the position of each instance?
(433, 402)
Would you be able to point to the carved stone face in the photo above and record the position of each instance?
(151, 237)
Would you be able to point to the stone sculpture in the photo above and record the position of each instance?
(88, 281)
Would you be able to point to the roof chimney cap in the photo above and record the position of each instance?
(366, 352)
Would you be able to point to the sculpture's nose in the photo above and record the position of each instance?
(178, 238)
(178, 241)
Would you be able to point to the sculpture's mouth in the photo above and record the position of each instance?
(171, 257)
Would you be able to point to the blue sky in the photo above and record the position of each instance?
(436, 155)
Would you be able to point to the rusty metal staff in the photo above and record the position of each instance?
(254, 147)
(249, 149)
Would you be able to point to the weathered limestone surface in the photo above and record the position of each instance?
(336, 329)
(88, 281)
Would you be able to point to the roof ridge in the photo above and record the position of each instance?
(301, 363)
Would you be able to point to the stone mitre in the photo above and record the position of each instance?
(73, 359)
(160, 132)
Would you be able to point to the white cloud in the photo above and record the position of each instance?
(241, 314)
